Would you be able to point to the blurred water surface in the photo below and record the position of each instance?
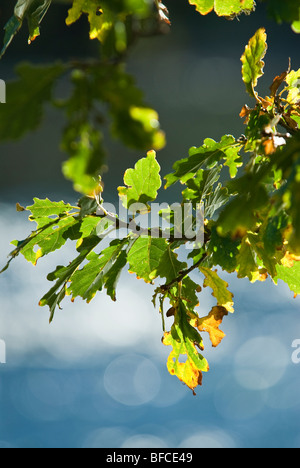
(97, 377)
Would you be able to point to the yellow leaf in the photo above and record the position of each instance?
(211, 324)
(289, 260)
(187, 372)
(184, 360)
(100, 22)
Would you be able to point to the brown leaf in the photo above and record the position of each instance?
(245, 112)
(19, 207)
(278, 80)
(266, 102)
(277, 83)
(171, 312)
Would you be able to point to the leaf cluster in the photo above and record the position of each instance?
(245, 190)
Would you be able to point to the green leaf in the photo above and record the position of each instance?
(219, 288)
(223, 251)
(48, 240)
(252, 61)
(27, 97)
(223, 7)
(55, 224)
(63, 275)
(296, 26)
(133, 122)
(88, 206)
(142, 182)
(269, 261)
(100, 21)
(184, 360)
(104, 17)
(207, 155)
(84, 145)
(145, 257)
(272, 233)
(92, 225)
(233, 161)
(254, 129)
(239, 215)
(246, 261)
(216, 200)
(170, 266)
(188, 293)
(47, 209)
(101, 270)
(290, 275)
(32, 10)
(201, 186)
(82, 139)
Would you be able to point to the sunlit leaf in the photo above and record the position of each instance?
(290, 275)
(184, 360)
(211, 324)
(101, 270)
(293, 81)
(219, 287)
(142, 182)
(206, 156)
(223, 7)
(145, 257)
(252, 61)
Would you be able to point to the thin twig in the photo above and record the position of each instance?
(183, 274)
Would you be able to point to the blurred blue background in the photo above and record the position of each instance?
(97, 377)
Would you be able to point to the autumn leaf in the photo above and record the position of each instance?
(277, 82)
(293, 82)
(252, 61)
(184, 360)
(211, 324)
(219, 288)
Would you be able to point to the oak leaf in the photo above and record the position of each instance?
(252, 61)
(211, 324)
